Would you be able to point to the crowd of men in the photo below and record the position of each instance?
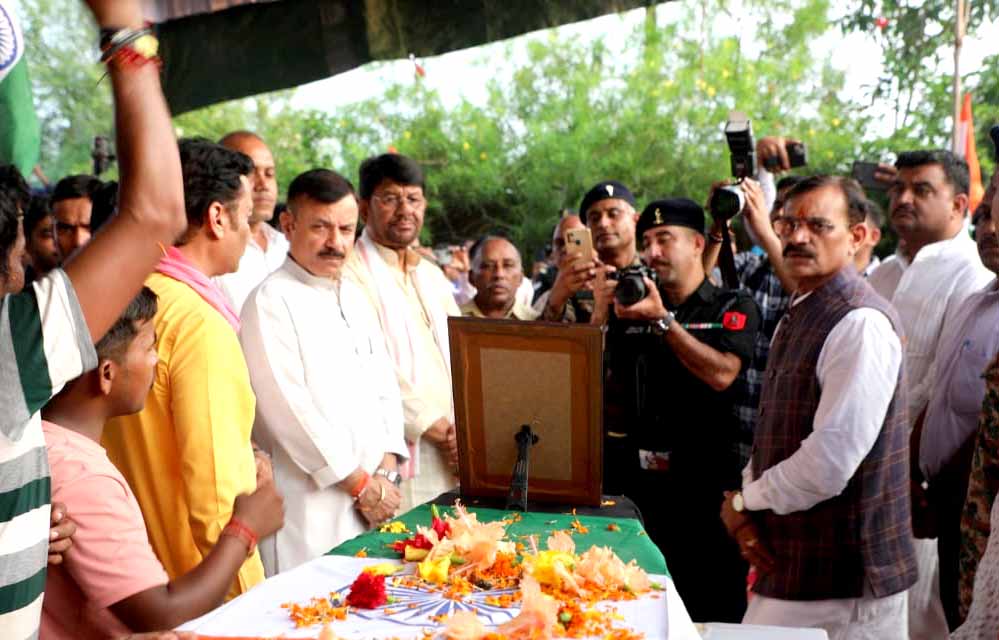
(198, 396)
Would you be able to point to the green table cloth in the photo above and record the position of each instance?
(627, 538)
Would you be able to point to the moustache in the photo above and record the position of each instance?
(798, 251)
(332, 253)
(989, 241)
(904, 208)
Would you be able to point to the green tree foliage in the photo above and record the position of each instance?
(650, 114)
(645, 107)
(917, 40)
(73, 104)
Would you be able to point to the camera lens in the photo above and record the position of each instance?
(727, 202)
(630, 290)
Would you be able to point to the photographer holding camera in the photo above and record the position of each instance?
(760, 273)
(674, 344)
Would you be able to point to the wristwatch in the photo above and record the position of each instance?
(392, 476)
(738, 504)
(661, 326)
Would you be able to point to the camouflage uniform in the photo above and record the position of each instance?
(983, 486)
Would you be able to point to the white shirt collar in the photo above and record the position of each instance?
(956, 246)
(296, 271)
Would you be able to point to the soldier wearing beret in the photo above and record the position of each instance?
(608, 210)
(671, 359)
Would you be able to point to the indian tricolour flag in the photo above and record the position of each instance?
(20, 134)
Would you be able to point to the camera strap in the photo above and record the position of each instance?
(726, 260)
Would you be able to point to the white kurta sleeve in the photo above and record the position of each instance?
(272, 346)
(857, 371)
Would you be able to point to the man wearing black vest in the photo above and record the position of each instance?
(670, 360)
(824, 513)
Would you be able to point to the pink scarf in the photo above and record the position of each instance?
(175, 265)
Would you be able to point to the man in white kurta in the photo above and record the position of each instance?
(267, 247)
(413, 300)
(928, 205)
(328, 405)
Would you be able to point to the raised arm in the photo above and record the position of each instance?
(110, 270)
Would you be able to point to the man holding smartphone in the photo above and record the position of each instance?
(608, 211)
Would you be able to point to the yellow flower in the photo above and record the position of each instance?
(397, 526)
(407, 135)
(711, 92)
(725, 73)
(466, 146)
(542, 566)
(482, 156)
(435, 570)
(835, 122)
(383, 569)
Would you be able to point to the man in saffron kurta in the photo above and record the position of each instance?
(187, 454)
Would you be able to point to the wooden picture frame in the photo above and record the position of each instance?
(508, 373)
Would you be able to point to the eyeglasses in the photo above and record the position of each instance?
(787, 225)
(394, 201)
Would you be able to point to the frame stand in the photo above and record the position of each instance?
(517, 497)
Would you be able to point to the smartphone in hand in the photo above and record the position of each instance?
(579, 243)
(864, 173)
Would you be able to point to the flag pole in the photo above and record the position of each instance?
(960, 24)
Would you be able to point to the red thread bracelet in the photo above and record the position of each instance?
(360, 486)
(237, 529)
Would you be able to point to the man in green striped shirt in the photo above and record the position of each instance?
(47, 332)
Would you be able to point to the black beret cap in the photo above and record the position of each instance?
(680, 212)
(604, 191)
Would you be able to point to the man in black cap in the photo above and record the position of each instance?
(671, 359)
(608, 210)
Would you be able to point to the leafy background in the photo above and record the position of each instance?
(645, 107)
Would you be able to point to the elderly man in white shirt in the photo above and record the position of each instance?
(267, 247)
(412, 300)
(328, 405)
(928, 207)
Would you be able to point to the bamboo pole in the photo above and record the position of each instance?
(960, 24)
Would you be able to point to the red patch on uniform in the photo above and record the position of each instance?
(734, 321)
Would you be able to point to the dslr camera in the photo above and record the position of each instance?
(631, 287)
(728, 201)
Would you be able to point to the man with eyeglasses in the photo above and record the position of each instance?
(927, 284)
(824, 512)
(412, 300)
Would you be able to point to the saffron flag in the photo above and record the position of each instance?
(965, 143)
(20, 133)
